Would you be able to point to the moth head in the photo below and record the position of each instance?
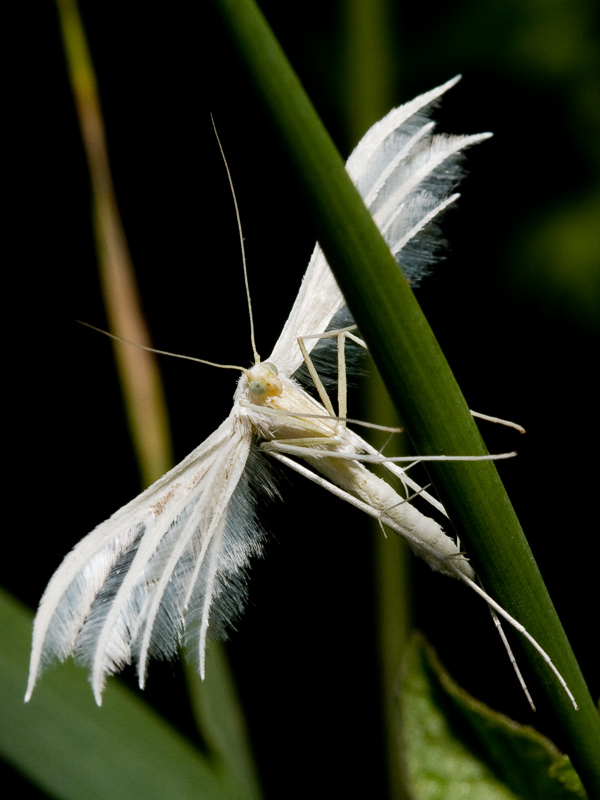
(263, 382)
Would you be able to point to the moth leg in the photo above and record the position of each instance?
(518, 627)
(495, 608)
(305, 443)
(346, 333)
(314, 374)
(341, 335)
(367, 458)
(511, 657)
(498, 421)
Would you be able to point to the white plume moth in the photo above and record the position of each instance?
(170, 564)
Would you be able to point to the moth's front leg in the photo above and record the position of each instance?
(341, 335)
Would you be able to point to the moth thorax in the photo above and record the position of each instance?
(263, 382)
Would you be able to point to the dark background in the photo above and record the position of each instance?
(515, 306)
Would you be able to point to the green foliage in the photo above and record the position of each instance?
(72, 749)
(455, 746)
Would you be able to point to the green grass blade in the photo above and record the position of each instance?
(217, 708)
(138, 371)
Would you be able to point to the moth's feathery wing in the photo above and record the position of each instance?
(404, 175)
(66, 606)
(109, 638)
(211, 554)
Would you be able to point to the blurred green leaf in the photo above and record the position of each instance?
(455, 746)
(71, 748)
(220, 717)
(560, 250)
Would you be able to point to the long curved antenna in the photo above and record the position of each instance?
(161, 352)
(239, 223)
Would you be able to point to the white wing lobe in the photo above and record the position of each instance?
(404, 174)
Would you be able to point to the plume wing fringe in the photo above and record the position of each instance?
(405, 175)
(102, 604)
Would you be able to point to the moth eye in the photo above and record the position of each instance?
(257, 387)
(272, 367)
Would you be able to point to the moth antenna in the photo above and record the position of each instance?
(239, 224)
(160, 352)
